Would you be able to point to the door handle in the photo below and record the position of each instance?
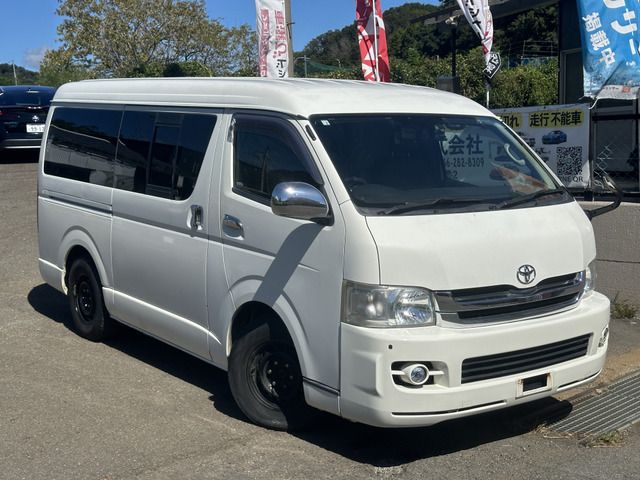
(232, 222)
(195, 220)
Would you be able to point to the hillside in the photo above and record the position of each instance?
(25, 77)
(531, 33)
(419, 54)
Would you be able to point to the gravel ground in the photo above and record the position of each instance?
(135, 408)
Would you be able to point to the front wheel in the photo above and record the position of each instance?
(88, 313)
(266, 381)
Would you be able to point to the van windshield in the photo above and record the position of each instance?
(422, 164)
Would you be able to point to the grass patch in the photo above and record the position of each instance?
(609, 439)
(621, 308)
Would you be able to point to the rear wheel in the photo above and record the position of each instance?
(88, 313)
(266, 381)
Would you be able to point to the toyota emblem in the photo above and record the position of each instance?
(526, 274)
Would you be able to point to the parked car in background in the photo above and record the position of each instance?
(23, 112)
(555, 136)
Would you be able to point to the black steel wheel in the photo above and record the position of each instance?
(266, 381)
(88, 313)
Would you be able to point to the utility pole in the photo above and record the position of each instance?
(287, 14)
(15, 77)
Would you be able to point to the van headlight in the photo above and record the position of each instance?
(590, 278)
(380, 306)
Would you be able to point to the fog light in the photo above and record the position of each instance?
(604, 337)
(415, 374)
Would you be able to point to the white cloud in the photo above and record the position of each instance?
(33, 57)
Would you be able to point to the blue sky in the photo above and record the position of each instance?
(29, 26)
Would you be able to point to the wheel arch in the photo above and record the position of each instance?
(75, 244)
(252, 313)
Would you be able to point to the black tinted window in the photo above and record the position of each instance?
(163, 157)
(81, 144)
(266, 153)
(26, 96)
(161, 153)
(136, 136)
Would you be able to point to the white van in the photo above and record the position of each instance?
(391, 254)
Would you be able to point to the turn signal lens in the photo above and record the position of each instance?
(590, 278)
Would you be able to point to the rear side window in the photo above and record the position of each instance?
(160, 153)
(81, 144)
(155, 153)
(266, 152)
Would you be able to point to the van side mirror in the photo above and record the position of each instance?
(603, 183)
(299, 200)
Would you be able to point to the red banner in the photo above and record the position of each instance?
(373, 41)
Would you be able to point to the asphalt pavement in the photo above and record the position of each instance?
(134, 408)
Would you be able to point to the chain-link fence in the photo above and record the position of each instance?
(614, 147)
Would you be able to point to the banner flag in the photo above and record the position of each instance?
(610, 51)
(372, 40)
(479, 17)
(273, 47)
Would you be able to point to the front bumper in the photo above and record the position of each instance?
(368, 393)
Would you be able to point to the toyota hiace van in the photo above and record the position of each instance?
(391, 254)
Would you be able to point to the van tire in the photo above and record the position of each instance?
(88, 314)
(266, 381)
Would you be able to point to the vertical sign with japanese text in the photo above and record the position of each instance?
(610, 50)
(273, 45)
(559, 134)
(479, 16)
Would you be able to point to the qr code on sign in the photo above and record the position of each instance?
(569, 161)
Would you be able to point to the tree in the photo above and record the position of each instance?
(129, 38)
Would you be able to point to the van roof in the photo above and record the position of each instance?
(295, 96)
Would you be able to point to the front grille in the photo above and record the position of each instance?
(510, 363)
(506, 303)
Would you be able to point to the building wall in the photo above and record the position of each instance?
(617, 240)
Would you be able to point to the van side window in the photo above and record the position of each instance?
(267, 152)
(136, 135)
(160, 153)
(81, 144)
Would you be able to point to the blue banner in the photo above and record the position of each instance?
(610, 47)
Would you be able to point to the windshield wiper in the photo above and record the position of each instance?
(512, 202)
(412, 207)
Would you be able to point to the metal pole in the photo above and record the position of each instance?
(454, 30)
(15, 77)
(376, 68)
(287, 14)
(487, 85)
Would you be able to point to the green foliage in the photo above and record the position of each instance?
(419, 53)
(335, 47)
(132, 38)
(24, 76)
(526, 85)
(58, 67)
(621, 308)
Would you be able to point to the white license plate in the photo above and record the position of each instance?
(35, 127)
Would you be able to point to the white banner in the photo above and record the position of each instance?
(273, 46)
(479, 17)
(559, 134)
